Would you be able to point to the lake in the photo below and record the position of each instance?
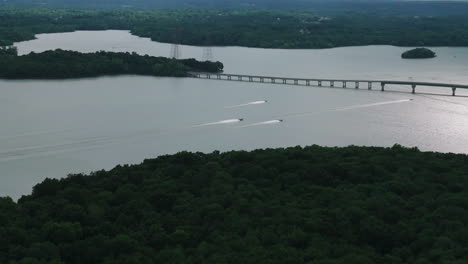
(53, 128)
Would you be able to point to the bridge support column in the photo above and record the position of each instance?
(296, 82)
(250, 79)
(218, 76)
(208, 76)
(229, 77)
(239, 78)
(383, 86)
(413, 88)
(307, 82)
(284, 81)
(273, 80)
(369, 86)
(261, 80)
(332, 84)
(356, 85)
(319, 83)
(453, 90)
(344, 84)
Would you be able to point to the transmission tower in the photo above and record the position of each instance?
(207, 54)
(175, 51)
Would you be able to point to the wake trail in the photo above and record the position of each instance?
(38, 133)
(347, 108)
(270, 122)
(25, 152)
(92, 142)
(247, 104)
(222, 122)
(83, 144)
(373, 104)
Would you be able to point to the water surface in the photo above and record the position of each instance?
(52, 128)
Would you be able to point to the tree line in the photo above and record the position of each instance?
(382, 7)
(321, 205)
(60, 64)
(255, 28)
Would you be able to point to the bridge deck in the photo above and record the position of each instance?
(331, 82)
(450, 85)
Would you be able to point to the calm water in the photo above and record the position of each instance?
(52, 128)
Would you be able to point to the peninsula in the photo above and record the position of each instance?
(61, 64)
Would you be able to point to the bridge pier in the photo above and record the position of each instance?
(208, 76)
(344, 84)
(357, 85)
(273, 80)
(284, 81)
(413, 88)
(369, 86)
(250, 79)
(332, 84)
(319, 83)
(229, 77)
(453, 90)
(296, 82)
(307, 82)
(239, 78)
(383, 86)
(261, 80)
(218, 76)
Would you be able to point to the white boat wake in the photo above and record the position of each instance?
(93, 142)
(373, 104)
(222, 122)
(249, 103)
(270, 122)
(347, 108)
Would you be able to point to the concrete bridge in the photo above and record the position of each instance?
(322, 82)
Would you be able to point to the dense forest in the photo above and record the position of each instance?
(251, 27)
(397, 7)
(352, 205)
(60, 64)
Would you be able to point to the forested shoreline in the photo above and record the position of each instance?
(61, 64)
(291, 29)
(321, 205)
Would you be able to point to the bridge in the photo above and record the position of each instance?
(321, 82)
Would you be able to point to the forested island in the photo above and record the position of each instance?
(61, 64)
(418, 53)
(440, 25)
(351, 205)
